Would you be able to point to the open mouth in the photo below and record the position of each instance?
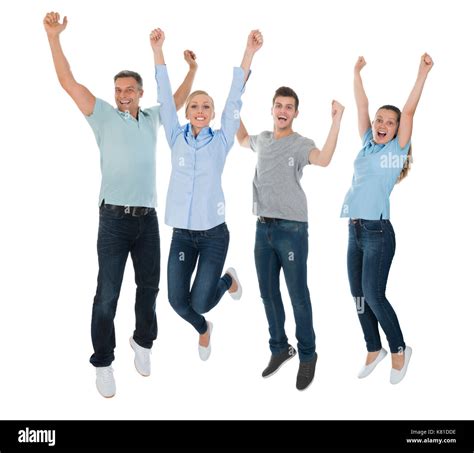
(381, 135)
(199, 118)
(128, 102)
(282, 118)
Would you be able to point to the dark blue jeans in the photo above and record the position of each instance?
(369, 256)
(119, 235)
(284, 244)
(187, 246)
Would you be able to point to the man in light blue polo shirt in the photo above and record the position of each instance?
(128, 224)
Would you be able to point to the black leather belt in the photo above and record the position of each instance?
(134, 211)
(266, 219)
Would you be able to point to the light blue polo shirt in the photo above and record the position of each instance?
(376, 171)
(127, 154)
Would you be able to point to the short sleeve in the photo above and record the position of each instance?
(253, 142)
(367, 136)
(304, 148)
(397, 149)
(99, 115)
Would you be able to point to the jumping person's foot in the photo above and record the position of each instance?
(277, 360)
(205, 342)
(373, 359)
(142, 358)
(105, 381)
(235, 289)
(306, 373)
(400, 365)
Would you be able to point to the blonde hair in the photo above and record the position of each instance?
(406, 166)
(196, 93)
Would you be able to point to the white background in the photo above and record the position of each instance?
(49, 187)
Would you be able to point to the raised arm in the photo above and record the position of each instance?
(230, 119)
(254, 43)
(184, 89)
(83, 98)
(168, 114)
(243, 135)
(323, 157)
(406, 120)
(361, 99)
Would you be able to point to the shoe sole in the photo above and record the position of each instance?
(135, 363)
(281, 364)
(307, 387)
(103, 396)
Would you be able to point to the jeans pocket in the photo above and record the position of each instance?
(106, 212)
(372, 226)
(218, 231)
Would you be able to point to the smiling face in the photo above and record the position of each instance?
(284, 112)
(384, 126)
(127, 94)
(200, 111)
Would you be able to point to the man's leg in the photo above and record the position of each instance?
(268, 268)
(146, 262)
(113, 245)
(291, 243)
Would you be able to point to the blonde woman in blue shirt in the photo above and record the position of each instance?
(195, 205)
(383, 161)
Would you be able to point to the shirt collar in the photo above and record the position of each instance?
(204, 133)
(126, 115)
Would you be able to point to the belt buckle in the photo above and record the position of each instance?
(138, 211)
(262, 219)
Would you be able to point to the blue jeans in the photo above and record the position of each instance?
(210, 246)
(284, 244)
(369, 256)
(119, 235)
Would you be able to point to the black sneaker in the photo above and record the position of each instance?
(277, 360)
(306, 373)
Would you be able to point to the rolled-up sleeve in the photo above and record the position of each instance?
(230, 121)
(168, 115)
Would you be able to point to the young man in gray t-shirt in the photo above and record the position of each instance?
(282, 227)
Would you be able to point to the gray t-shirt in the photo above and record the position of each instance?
(277, 191)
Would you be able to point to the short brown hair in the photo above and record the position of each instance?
(287, 93)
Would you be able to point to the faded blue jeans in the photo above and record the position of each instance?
(283, 244)
(187, 247)
(369, 257)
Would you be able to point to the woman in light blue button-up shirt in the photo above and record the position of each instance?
(383, 161)
(195, 205)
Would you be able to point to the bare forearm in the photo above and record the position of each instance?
(361, 99)
(61, 65)
(184, 89)
(159, 57)
(415, 95)
(243, 136)
(330, 146)
(247, 62)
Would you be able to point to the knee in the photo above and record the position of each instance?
(199, 304)
(372, 295)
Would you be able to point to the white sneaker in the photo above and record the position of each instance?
(233, 273)
(105, 381)
(142, 358)
(397, 375)
(367, 369)
(205, 352)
